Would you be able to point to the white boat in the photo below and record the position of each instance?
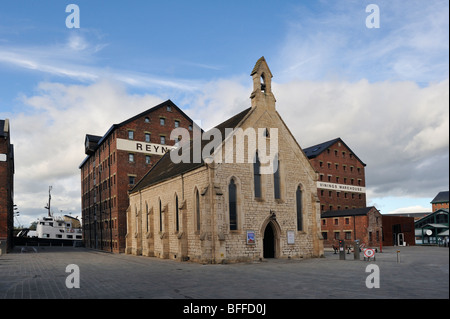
(58, 227)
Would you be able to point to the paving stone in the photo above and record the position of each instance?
(423, 272)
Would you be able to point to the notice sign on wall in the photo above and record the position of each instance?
(142, 147)
(290, 237)
(3, 157)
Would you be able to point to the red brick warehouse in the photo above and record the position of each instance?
(341, 183)
(115, 162)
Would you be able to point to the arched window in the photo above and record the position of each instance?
(263, 83)
(232, 202)
(160, 217)
(137, 219)
(257, 176)
(146, 216)
(298, 196)
(276, 179)
(197, 209)
(177, 215)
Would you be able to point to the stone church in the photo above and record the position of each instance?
(242, 191)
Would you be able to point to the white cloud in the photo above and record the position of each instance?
(49, 138)
(398, 129)
(410, 209)
(334, 43)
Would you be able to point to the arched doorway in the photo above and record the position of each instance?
(269, 242)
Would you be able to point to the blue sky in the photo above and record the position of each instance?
(384, 90)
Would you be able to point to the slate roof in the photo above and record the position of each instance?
(165, 168)
(316, 150)
(441, 197)
(347, 212)
(3, 133)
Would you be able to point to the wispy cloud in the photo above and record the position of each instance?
(77, 59)
(411, 43)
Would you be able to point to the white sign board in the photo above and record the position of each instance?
(290, 237)
(3, 157)
(341, 187)
(142, 147)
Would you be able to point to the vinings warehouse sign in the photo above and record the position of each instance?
(341, 187)
(142, 147)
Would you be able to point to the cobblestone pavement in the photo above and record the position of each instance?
(422, 272)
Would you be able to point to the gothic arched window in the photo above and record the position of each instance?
(232, 204)
(257, 176)
(276, 178)
(197, 209)
(160, 217)
(298, 197)
(177, 214)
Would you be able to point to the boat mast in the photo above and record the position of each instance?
(49, 199)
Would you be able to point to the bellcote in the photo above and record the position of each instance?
(262, 95)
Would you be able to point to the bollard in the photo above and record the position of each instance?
(341, 249)
(356, 250)
(398, 256)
